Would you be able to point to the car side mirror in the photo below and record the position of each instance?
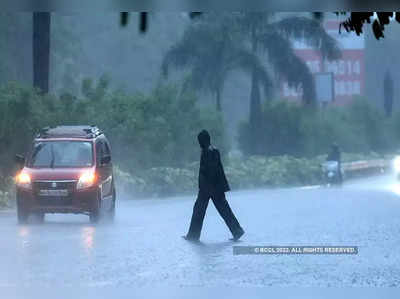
(105, 160)
(20, 159)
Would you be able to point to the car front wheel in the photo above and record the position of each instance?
(22, 213)
(94, 215)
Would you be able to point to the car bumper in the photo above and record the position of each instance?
(77, 202)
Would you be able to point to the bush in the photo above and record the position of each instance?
(156, 182)
(7, 191)
(22, 112)
(289, 129)
(258, 171)
(146, 131)
(157, 130)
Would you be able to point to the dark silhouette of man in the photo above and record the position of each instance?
(212, 184)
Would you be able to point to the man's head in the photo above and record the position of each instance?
(204, 139)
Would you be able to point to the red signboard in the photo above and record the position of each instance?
(348, 71)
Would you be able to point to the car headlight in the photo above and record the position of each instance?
(23, 180)
(86, 179)
(396, 164)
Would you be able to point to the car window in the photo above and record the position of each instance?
(62, 154)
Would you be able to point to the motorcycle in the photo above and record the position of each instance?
(330, 172)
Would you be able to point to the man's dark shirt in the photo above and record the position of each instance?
(212, 177)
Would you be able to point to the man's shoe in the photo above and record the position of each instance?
(187, 238)
(238, 235)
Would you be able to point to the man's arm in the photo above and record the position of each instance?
(218, 159)
(202, 171)
(221, 173)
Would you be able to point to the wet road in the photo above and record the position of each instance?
(144, 246)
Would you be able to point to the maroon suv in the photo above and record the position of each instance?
(68, 169)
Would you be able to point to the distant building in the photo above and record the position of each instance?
(348, 73)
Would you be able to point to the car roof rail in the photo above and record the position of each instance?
(89, 132)
(93, 131)
(43, 132)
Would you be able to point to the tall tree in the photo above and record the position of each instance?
(274, 38)
(211, 50)
(41, 50)
(388, 94)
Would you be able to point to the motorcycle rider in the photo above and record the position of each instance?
(335, 155)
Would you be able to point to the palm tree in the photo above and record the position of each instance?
(274, 38)
(211, 50)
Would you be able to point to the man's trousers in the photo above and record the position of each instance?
(223, 208)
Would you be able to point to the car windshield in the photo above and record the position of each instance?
(62, 154)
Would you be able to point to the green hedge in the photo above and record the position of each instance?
(156, 182)
(242, 173)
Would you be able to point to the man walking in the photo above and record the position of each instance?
(212, 184)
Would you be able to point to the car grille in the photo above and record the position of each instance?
(51, 200)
